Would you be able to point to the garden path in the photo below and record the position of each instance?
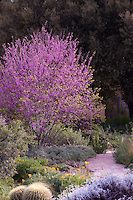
(104, 164)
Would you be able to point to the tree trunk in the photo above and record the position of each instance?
(130, 106)
(130, 101)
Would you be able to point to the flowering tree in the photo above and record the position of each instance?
(47, 80)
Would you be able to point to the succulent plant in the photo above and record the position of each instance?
(37, 191)
(16, 193)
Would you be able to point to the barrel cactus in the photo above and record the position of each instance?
(16, 193)
(37, 191)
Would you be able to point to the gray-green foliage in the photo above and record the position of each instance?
(13, 142)
(61, 154)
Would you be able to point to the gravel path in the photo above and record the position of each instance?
(105, 164)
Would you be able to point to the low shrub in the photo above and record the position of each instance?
(124, 152)
(108, 188)
(62, 167)
(62, 154)
(25, 166)
(57, 181)
(35, 170)
(13, 142)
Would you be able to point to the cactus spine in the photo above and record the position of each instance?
(16, 193)
(37, 191)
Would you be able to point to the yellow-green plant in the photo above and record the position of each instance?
(37, 191)
(58, 181)
(25, 166)
(16, 193)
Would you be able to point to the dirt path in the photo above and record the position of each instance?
(105, 164)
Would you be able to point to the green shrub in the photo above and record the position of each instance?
(61, 135)
(5, 186)
(99, 139)
(124, 152)
(66, 153)
(13, 142)
(25, 166)
(55, 154)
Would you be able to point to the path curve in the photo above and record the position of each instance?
(105, 165)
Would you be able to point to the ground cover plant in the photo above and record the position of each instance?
(64, 166)
(62, 154)
(113, 188)
(57, 181)
(34, 170)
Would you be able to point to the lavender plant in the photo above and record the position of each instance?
(110, 188)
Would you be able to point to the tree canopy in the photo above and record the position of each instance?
(46, 80)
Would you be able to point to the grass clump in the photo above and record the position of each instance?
(124, 152)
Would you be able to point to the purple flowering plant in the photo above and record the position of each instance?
(46, 80)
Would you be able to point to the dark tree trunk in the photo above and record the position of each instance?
(129, 98)
(130, 106)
